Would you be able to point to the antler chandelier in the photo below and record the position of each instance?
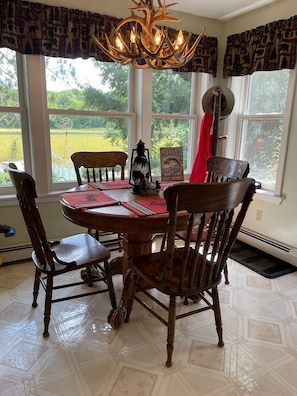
(137, 40)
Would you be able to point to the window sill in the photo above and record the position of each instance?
(267, 196)
(11, 200)
(8, 200)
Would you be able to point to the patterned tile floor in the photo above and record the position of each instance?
(85, 357)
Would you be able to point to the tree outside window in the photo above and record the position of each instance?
(262, 124)
(80, 94)
(171, 98)
(10, 115)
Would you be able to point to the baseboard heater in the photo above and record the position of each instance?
(270, 246)
(13, 254)
(274, 248)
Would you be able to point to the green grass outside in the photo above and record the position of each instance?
(63, 144)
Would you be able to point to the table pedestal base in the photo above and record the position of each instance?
(133, 245)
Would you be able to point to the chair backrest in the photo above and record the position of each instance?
(98, 166)
(223, 169)
(219, 223)
(26, 194)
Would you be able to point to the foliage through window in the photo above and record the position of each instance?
(171, 124)
(10, 115)
(85, 98)
(262, 124)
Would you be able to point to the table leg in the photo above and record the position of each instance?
(133, 245)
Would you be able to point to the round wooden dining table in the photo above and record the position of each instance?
(138, 231)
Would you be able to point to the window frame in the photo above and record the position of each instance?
(200, 83)
(129, 115)
(240, 86)
(21, 109)
(35, 120)
(36, 99)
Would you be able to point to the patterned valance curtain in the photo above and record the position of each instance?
(269, 47)
(205, 58)
(39, 29)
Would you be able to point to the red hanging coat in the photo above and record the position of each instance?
(199, 171)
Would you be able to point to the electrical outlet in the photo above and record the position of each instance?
(259, 215)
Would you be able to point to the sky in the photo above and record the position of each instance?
(85, 71)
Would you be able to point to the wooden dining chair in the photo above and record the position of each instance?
(98, 166)
(220, 169)
(190, 269)
(55, 258)
(101, 166)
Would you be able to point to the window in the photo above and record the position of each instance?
(265, 99)
(68, 105)
(11, 115)
(88, 106)
(173, 118)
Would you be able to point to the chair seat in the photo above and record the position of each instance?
(151, 267)
(76, 251)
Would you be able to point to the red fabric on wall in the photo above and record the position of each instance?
(199, 171)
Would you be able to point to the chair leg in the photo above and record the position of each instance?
(217, 314)
(163, 243)
(226, 275)
(171, 329)
(48, 304)
(109, 282)
(88, 277)
(120, 242)
(130, 283)
(36, 287)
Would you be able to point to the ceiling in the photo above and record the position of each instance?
(218, 9)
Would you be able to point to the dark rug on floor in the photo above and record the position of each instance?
(260, 262)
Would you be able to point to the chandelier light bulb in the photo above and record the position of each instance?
(133, 36)
(180, 39)
(158, 37)
(119, 44)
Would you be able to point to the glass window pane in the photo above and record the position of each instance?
(86, 84)
(260, 145)
(10, 121)
(171, 92)
(11, 144)
(169, 133)
(268, 92)
(69, 134)
(9, 95)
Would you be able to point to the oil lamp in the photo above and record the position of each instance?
(140, 169)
